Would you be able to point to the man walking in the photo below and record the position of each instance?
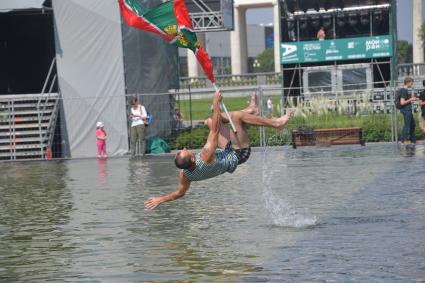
(422, 105)
(406, 100)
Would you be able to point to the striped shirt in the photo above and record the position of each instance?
(225, 161)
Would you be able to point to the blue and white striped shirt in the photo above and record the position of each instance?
(225, 161)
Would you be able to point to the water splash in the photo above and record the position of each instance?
(281, 212)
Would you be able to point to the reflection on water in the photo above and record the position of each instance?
(347, 214)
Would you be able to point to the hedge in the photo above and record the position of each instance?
(376, 128)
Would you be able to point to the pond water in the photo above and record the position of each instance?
(314, 214)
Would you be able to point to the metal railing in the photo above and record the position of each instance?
(231, 81)
(275, 79)
(42, 106)
(412, 70)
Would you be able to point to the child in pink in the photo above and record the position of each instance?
(100, 140)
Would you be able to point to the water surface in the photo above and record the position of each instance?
(313, 214)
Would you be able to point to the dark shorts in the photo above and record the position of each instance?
(243, 154)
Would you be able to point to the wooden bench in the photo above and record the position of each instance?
(327, 137)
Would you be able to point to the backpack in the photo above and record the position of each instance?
(397, 102)
(149, 119)
(158, 145)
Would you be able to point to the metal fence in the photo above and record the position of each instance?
(31, 126)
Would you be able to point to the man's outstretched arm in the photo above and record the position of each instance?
(208, 151)
(184, 185)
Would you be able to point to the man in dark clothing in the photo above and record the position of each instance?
(406, 100)
(422, 105)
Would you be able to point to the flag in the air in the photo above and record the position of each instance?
(170, 20)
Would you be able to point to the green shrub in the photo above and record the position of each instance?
(376, 128)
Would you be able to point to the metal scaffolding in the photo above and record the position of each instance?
(208, 15)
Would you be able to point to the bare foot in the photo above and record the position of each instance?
(253, 105)
(253, 102)
(283, 120)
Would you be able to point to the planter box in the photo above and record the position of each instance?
(327, 137)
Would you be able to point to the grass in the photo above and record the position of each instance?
(319, 112)
(201, 107)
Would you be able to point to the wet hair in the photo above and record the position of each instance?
(183, 162)
(408, 80)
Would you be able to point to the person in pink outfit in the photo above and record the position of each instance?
(101, 140)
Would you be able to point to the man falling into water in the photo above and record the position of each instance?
(223, 151)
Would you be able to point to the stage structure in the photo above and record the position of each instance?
(355, 56)
(75, 63)
(211, 15)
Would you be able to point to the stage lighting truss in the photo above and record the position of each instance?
(207, 19)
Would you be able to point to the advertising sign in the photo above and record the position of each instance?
(336, 49)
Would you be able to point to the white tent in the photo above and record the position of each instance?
(9, 5)
(91, 73)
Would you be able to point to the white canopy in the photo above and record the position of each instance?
(10, 5)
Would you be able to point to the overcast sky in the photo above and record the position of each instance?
(404, 18)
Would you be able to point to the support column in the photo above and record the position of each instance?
(276, 31)
(418, 49)
(193, 67)
(238, 43)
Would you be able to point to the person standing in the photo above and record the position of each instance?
(422, 105)
(406, 100)
(138, 117)
(101, 140)
(269, 106)
(321, 35)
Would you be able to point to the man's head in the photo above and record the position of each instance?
(184, 159)
(408, 82)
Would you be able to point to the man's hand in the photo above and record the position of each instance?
(184, 185)
(151, 203)
(217, 98)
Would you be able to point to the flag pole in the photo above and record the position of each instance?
(225, 110)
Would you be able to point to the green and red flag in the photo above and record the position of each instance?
(170, 20)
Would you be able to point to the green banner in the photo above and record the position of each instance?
(335, 50)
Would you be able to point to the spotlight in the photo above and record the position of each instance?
(352, 19)
(291, 24)
(377, 15)
(364, 17)
(303, 22)
(315, 21)
(327, 21)
(341, 20)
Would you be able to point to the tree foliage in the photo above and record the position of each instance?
(404, 52)
(266, 60)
